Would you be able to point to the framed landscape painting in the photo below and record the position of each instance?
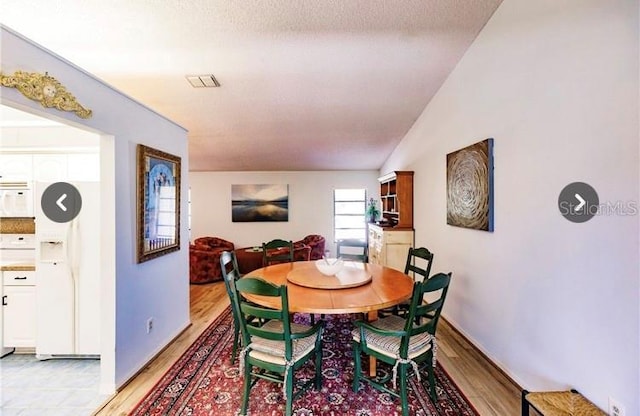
(258, 203)
(470, 186)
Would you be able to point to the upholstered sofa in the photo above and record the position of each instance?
(204, 259)
(316, 243)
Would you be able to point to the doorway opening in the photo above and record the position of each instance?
(45, 150)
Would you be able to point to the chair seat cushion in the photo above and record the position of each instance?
(273, 351)
(390, 345)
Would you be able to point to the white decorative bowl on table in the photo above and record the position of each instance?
(329, 267)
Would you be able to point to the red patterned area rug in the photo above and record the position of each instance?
(203, 382)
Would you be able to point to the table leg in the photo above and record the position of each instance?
(372, 316)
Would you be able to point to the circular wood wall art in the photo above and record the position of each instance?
(469, 187)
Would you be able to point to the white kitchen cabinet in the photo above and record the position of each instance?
(49, 167)
(16, 167)
(3, 350)
(389, 247)
(83, 167)
(19, 309)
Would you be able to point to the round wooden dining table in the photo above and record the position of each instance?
(312, 292)
(367, 288)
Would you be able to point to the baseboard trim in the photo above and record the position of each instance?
(482, 353)
(142, 368)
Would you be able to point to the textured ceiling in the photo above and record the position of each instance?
(306, 84)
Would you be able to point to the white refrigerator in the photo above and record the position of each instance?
(68, 278)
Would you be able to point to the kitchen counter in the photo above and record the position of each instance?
(17, 267)
(17, 225)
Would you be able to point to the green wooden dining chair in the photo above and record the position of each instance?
(413, 267)
(277, 251)
(418, 266)
(275, 349)
(231, 273)
(403, 343)
(352, 249)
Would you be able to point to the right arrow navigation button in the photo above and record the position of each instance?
(578, 202)
(581, 202)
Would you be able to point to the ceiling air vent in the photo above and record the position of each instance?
(203, 81)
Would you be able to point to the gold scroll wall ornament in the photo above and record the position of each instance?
(46, 90)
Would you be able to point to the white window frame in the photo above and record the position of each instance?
(361, 232)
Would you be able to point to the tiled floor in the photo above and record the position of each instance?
(60, 387)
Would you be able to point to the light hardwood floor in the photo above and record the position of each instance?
(490, 391)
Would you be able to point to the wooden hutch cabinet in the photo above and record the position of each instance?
(390, 240)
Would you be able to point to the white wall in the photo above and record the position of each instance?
(555, 83)
(131, 292)
(310, 204)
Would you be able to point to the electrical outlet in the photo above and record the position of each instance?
(149, 325)
(615, 408)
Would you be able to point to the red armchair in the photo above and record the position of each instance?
(204, 259)
(301, 252)
(316, 243)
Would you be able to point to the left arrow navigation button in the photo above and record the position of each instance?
(59, 202)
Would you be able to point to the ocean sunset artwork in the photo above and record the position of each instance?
(250, 203)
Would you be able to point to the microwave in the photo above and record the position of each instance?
(16, 199)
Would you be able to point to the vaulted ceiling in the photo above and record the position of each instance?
(305, 84)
